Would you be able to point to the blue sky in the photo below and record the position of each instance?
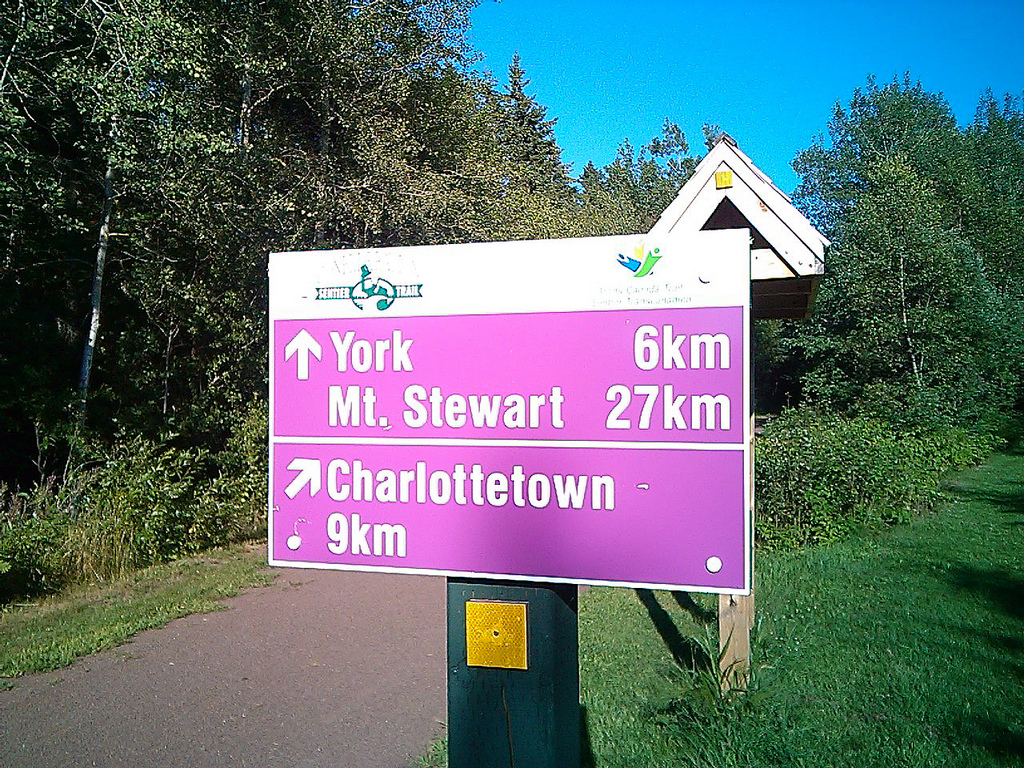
(768, 73)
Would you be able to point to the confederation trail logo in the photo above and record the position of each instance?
(640, 264)
(384, 291)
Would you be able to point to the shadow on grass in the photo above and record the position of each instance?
(686, 652)
(1005, 593)
(700, 614)
(587, 758)
(1002, 643)
(1003, 590)
(1008, 498)
(1003, 743)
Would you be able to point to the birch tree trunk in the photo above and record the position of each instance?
(908, 337)
(245, 110)
(89, 350)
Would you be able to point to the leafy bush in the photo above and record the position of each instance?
(819, 477)
(30, 533)
(149, 489)
(137, 503)
(234, 506)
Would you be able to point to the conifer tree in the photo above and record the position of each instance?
(528, 137)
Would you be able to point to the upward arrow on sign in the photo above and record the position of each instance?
(302, 346)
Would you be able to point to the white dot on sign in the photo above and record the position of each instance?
(383, 422)
(713, 564)
(293, 542)
(644, 486)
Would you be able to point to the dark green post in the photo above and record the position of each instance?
(501, 717)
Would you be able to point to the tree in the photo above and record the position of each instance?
(878, 121)
(39, 262)
(628, 194)
(95, 94)
(909, 322)
(993, 209)
(199, 136)
(528, 138)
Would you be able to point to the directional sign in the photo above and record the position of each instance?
(569, 410)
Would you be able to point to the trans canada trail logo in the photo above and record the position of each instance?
(640, 264)
(367, 289)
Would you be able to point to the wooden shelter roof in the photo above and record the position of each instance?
(727, 191)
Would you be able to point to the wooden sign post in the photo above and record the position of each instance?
(735, 619)
(736, 612)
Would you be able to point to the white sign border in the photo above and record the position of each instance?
(306, 310)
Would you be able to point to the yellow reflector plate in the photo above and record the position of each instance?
(495, 634)
(723, 179)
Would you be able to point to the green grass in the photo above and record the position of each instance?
(639, 650)
(436, 755)
(902, 647)
(52, 632)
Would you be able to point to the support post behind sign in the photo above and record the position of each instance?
(735, 618)
(513, 674)
(736, 612)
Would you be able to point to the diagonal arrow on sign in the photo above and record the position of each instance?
(301, 347)
(309, 474)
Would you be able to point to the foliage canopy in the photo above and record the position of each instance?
(919, 315)
(153, 152)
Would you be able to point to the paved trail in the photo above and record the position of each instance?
(322, 668)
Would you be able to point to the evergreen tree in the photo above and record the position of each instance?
(528, 137)
(628, 194)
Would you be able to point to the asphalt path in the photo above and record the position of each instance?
(322, 668)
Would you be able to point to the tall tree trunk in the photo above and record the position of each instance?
(14, 45)
(97, 290)
(323, 147)
(908, 336)
(167, 368)
(245, 110)
(245, 106)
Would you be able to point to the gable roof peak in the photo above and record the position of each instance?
(724, 137)
(727, 191)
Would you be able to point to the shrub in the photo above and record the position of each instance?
(148, 489)
(820, 476)
(137, 503)
(133, 506)
(234, 506)
(30, 536)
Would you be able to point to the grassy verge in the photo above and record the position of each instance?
(436, 755)
(902, 647)
(899, 647)
(53, 632)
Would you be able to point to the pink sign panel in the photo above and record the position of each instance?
(614, 515)
(648, 375)
(601, 446)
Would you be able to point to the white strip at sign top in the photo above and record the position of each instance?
(621, 272)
